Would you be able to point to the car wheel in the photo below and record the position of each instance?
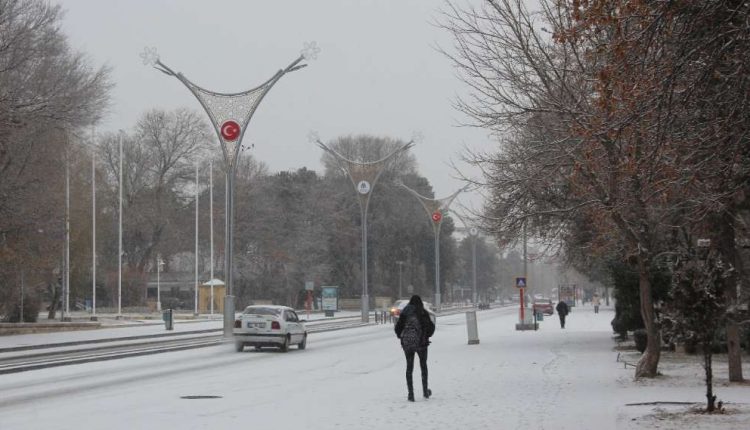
(239, 346)
(285, 345)
(303, 344)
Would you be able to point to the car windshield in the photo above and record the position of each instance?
(262, 310)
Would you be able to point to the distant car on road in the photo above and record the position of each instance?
(268, 325)
(543, 305)
(399, 306)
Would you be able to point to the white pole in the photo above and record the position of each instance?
(119, 241)
(93, 226)
(196, 239)
(22, 273)
(66, 313)
(211, 221)
(158, 285)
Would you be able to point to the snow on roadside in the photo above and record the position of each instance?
(676, 398)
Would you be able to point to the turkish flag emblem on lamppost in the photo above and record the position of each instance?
(437, 216)
(230, 130)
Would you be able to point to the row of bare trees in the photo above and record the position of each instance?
(622, 129)
(48, 93)
(291, 227)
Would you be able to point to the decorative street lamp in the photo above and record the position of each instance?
(435, 209)
(230, 113)
(364, 176)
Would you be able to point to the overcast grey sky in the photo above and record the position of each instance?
(378, 71)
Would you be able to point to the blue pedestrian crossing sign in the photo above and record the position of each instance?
(521, 282)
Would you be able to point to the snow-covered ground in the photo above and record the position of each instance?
(354, 379)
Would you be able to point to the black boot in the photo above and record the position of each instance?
(426, 392)
(410, 386)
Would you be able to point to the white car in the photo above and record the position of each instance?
(269, 325)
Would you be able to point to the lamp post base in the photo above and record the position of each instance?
(228, 316)
(365, 308)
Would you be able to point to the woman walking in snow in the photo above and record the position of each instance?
(414, 328)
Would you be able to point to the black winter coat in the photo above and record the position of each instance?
(562, 308)
(425, 323)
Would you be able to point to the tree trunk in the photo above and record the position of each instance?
(710, 397)
(728, 248)
(647, 366)
(734, 353)
(55, 292)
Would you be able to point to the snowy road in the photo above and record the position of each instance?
(348, 379)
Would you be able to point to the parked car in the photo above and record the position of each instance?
(399, 306)
(543, 305)
(268, 325)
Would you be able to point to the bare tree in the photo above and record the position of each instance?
(158, 181)
(47, 93)
(584, 109)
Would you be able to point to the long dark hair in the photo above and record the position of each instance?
(416, 301)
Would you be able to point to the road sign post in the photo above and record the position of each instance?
(521, 285)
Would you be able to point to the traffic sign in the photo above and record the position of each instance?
(437, 216)
(521, 282)
(363, 187)
(473, 231)
(230, 130)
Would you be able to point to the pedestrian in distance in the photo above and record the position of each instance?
(596, 301)
(414, 328)
(562, 311)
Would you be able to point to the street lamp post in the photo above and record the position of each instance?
(159, 263)
(473, 235)
(230, 113)
(400, 266)
(195, 311)
(364, 176)
(211, 226)
(119, 238)
(435, 209)
(93, 226)
(66, 274)
(474, 268)
(22, 292)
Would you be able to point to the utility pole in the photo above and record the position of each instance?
(93, 226)
(195, 312)
(119, 241)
